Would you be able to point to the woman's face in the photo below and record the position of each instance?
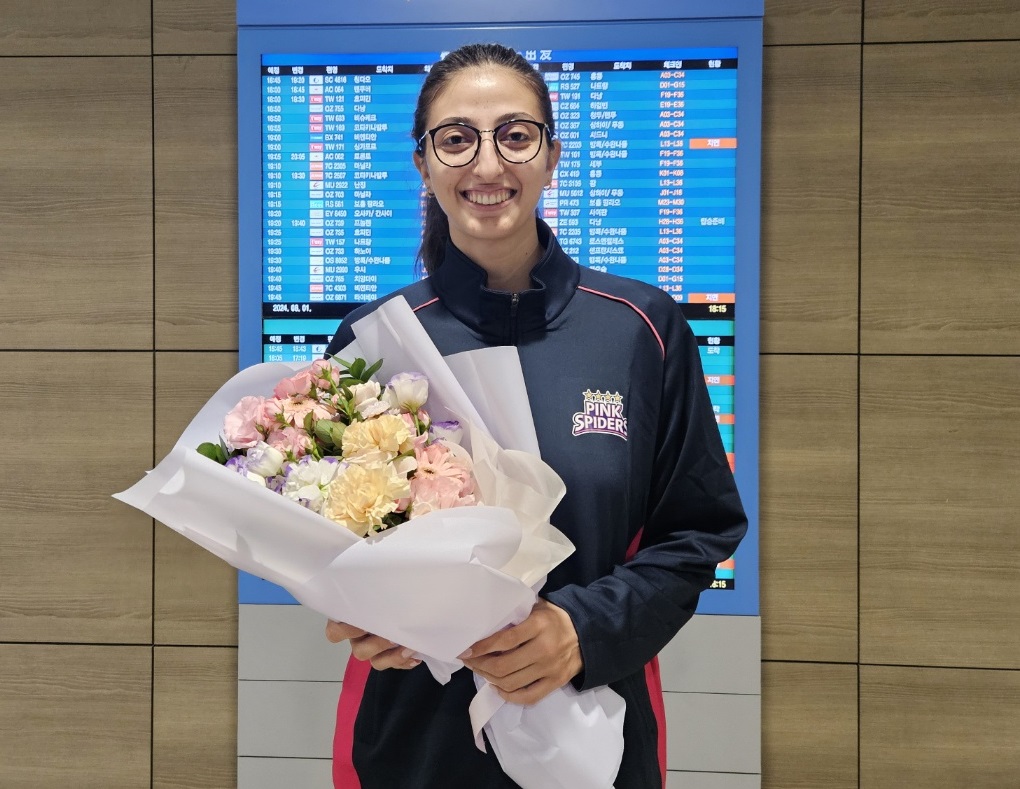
(489, 201)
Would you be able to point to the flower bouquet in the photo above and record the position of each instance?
(360, 487)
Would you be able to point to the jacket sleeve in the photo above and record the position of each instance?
(694, 520)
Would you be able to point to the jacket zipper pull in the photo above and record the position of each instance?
(514, 299)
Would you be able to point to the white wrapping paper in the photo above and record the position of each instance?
(435, 585)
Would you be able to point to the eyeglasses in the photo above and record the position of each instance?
(457, 144)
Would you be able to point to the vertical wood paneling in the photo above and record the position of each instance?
(812, 21)
(808, 497)
(194, 27)
(77, 27)
(939, 728)
(195, 592)
(940, 511)
(74, 716)
(941, 20)
(194, 718)
(810, 199)
(75, 565)
(941, 195)
(809, 726)
(196, 203)
(76, 203)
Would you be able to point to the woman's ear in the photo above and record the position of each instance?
(555, 148)
(423, 170)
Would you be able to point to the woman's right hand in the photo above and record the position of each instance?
(382, 654)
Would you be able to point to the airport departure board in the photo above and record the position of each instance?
(645, 187)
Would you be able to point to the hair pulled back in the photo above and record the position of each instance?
(435, 226)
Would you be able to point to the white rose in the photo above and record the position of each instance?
(408, 391)
(264, 460)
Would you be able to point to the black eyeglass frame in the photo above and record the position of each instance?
(544, 132)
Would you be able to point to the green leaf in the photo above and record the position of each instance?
(358, 368)
(373, 369)
(212, 451)
(337, 433)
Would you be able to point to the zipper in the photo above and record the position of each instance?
(515, 299)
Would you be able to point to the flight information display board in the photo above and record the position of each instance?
(645, 187)
(659, 120)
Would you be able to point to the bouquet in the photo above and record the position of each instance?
(333, 440)
(460, 558)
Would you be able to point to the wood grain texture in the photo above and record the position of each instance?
(75, 564)
(194, 27)
(196, 203)
(808, 496)
(810, 155)
(940, 511)
(195, 592)
(939, 728)
(941, 196)
(75, 27)
(76, 203)
(194, 718)
(74, 716)
(941, 20)
(812, 21)
(809, 726)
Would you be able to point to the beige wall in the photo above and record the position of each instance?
(889, 429)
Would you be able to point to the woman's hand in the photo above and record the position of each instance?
(382, 654)
(529, 661)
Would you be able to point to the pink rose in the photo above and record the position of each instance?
(291, 441)
(298, 384)
(325, 375)
(241, 425)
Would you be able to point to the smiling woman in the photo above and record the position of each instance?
(651, 506)
(488, 193)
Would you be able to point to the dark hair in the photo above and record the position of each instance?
(435, 226)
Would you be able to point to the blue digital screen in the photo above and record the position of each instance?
(658, 180)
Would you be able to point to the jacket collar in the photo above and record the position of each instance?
(496, 315)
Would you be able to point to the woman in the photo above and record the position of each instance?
(622, 414)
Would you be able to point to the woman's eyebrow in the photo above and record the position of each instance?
(507, 116)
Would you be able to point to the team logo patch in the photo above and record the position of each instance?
(603, 413)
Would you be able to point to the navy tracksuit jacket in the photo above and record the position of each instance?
(623, 415)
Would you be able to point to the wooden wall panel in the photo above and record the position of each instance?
(195, 592)
(810, 155)
(76, 203)
(196, 203)
(194, 27)
(940, 237)
(74, 716)
(75, 564)
(809, 726)
(808, 496)
(81, 27)
(939, 728)
(940, 511)
(194, 718)
(941, 20)
(812, 21)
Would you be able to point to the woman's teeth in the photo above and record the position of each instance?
(489, 198)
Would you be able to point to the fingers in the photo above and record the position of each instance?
(380, 652)
(529, 661)
(341, 631)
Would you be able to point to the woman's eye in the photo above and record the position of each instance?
(455, 140)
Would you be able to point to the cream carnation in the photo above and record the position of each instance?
(360, 497)
(379, 439)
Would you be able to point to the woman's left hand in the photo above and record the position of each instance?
(529, 661)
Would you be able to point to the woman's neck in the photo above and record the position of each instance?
(508, 267)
